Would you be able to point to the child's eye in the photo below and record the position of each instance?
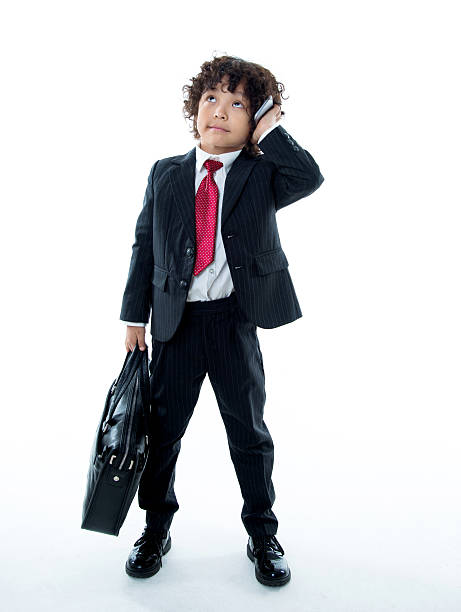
(236, 101)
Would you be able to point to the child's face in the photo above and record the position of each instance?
(230, 111)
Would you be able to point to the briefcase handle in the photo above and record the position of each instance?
(145, 383)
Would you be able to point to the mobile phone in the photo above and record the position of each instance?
(267, 104)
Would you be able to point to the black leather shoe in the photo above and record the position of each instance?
(145, 559)
(271, 567)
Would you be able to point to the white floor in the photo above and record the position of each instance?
(366, 526)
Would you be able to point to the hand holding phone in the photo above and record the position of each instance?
(263, 122)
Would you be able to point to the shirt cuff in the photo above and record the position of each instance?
(267, 132)
(135, 324)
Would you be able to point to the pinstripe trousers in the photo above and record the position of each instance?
(213, 337)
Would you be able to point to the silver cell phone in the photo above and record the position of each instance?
(267, 104)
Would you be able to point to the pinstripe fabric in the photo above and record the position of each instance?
(214, 337)
(163, 255)
(216, 282)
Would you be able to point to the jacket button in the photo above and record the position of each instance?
(183, 283)
(189, 251)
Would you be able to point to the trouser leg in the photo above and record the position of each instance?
(236, 373)
(177, 371)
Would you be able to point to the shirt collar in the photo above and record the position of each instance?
(226, 158)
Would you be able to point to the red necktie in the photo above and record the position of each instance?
(206, 207)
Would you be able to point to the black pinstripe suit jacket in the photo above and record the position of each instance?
(163, 253)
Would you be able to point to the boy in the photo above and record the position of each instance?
(207, 259)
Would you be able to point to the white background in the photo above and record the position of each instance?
(363, 392)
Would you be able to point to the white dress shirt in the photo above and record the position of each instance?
(215, 281)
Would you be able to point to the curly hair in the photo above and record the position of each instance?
(259, 84)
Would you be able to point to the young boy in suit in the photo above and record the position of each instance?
(207, 260)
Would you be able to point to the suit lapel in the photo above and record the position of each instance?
(182, 180)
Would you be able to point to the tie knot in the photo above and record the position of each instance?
(212, 165)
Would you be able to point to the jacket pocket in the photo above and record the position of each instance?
(270, 261)
(159, 277)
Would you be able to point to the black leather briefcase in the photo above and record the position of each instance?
(120, 447)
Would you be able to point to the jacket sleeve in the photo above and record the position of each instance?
(137, 297)
(296, 173)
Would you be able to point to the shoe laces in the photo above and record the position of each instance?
(266, 543)
(153, 537)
